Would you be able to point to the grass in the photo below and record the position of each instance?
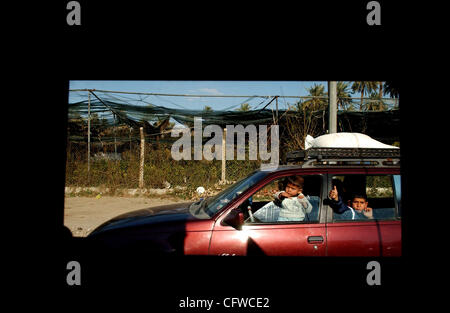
(160, 171)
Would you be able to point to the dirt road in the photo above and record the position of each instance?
(83, 214)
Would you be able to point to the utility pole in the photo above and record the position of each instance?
(332, 107)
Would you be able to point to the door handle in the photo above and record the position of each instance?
(315, 239)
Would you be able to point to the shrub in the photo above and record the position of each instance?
(159, 169)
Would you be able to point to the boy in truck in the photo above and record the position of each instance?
(294, 204)
(358, 209)
(289, 205)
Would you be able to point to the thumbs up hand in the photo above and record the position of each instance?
(334, 194)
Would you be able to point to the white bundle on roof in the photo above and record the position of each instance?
(345, 140)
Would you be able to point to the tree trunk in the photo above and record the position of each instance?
(361, 104)
(381, 97)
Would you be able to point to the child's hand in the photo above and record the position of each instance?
(333, 193)
(284, 194)
(368, 212)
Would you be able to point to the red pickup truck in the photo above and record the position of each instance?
(229, 224)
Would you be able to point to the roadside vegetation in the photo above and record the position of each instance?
(115, 164)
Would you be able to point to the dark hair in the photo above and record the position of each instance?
(296, 180)
(359, 195)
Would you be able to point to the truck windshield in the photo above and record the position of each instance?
(209, 206)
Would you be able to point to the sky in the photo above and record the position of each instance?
(244, 88)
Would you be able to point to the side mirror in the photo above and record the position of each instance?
(234, 219)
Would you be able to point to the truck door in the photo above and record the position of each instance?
(379, 236)
(269, 236)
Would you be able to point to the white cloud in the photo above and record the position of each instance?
(212, 91)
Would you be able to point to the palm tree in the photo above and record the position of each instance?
(391, 89)
(207, 108)
(244, 107)
(318, 100)
(301, 121)
(376, 103)
(380, 89)
(343, 96)
(364, 87)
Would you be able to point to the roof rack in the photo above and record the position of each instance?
(320, 154)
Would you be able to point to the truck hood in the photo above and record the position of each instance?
(166, 215)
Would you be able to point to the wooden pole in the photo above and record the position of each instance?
(224, 142)
(115, 141)
(89, 135)
(141, 167)
(131, 129)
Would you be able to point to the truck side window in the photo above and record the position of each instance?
(266, 209)
(379, 190)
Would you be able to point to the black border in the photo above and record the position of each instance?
(260, 48)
